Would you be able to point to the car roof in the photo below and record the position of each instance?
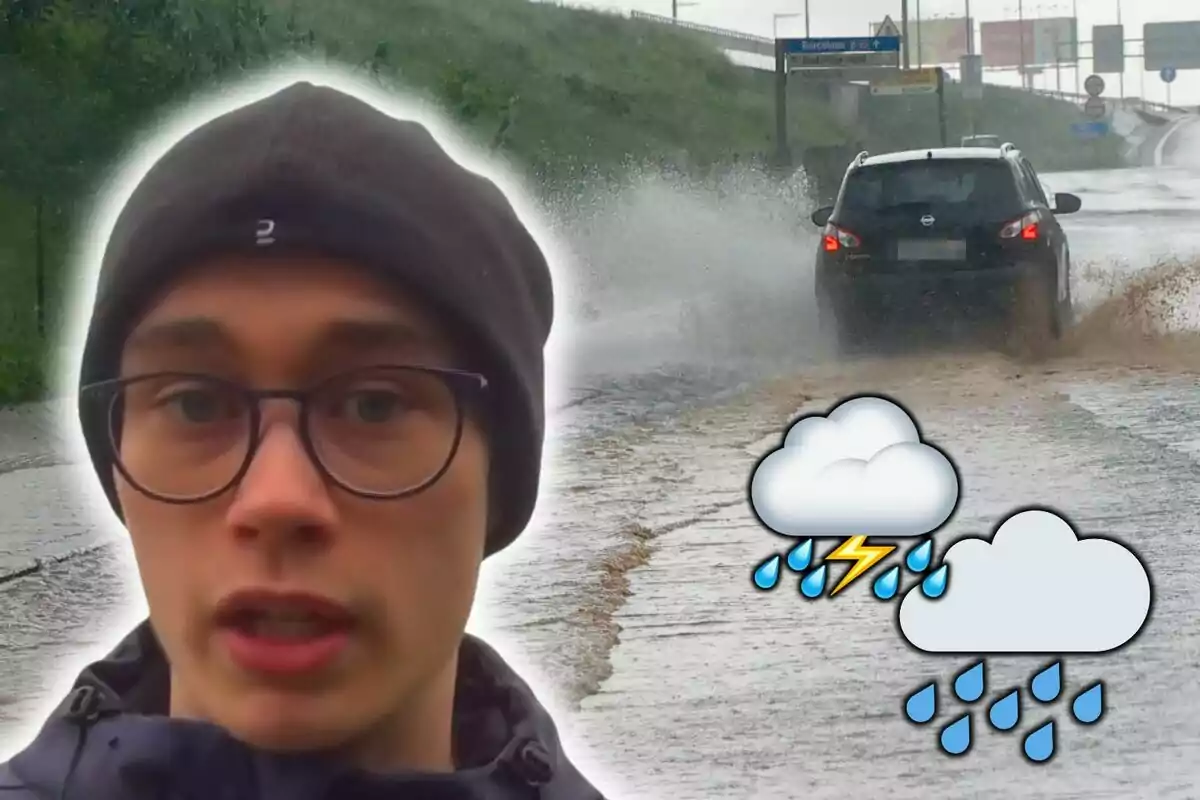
(936, 153)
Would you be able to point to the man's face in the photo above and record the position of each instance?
(403, 571)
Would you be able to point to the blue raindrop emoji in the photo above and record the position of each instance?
(934, 584)
(921, 705)
(800, 556)
(766, 574)
(956, 737)
(1039, 744)
(1088, 706)
(969, 684)
(1047, 684)
(919, 557)
(1005, 713)
(813, 583)
(887, 584)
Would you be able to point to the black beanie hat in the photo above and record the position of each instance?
(332, 175)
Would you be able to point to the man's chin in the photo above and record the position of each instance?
(290, 724)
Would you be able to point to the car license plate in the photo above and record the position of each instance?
(931, 250)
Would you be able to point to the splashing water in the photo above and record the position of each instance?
(919, 557)
(800, 557)
(1039, 744)
(956, 737)
(814, 583)
(1047, 684)
(969, 684)
(1005, 713)
(934, 586)
(887, 584)
(766, 574)
(1088, 706)
(921, 705)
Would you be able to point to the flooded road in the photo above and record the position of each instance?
(630, 602)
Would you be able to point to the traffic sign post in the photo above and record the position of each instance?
(888, 28)
(842, 58)
(908, 81)
(1168, 75)
(1170, 44)
(1108, 49)
(1095, 108)
(971, 70)
(846, 58)
(1090, 130)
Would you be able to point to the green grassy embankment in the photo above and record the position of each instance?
(570, 97)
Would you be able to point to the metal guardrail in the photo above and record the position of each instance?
(762, 45)
(1129, 102)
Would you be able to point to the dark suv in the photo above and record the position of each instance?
(929, 235)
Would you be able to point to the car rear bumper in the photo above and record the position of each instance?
(945, 288)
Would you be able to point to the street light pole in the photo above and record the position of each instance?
(807, 27)
(775, 23)
(904, 33)
(970, 29)
(1021, 34)
(1121, 81)
(920, 56)
(1078, 56)
(678, 4)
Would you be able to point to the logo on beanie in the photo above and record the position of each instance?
(266, 227)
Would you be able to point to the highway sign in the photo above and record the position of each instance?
(843, 44)
(1171, 44)
(1095, 108)
(971, 71)
(1090, 130)
(908, 81)
(820, 61)
(843, 74)
(1094, 85)
(888, 28)
(1108, 48)
(1167, 74)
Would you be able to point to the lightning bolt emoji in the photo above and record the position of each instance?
(855, 549)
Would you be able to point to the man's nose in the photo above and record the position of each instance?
(283, 493)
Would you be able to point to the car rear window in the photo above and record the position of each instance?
(933, 182)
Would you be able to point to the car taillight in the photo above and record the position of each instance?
(1025, 227)
(836, 238)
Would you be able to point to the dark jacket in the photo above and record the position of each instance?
(110, 740)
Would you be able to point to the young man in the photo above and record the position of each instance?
(312, 389)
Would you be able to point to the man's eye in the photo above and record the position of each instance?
(372, 405)
(200, 405)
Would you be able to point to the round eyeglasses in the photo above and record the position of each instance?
(379, 432)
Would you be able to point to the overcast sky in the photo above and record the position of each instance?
(851, 17)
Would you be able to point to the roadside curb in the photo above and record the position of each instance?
(1159, 148)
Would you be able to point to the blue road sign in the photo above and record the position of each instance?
(1167, 74)
(1090, 130)
(842, 44)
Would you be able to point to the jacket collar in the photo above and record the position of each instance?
(111, 735)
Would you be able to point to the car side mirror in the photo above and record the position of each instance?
(1065, 203)
(821, 216)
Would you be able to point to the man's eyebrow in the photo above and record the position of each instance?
(180, 333)
(341, 334)
(374, 334)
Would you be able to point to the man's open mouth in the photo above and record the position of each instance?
(275, 615)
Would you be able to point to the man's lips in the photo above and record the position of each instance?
(248, 603)
(283, 633)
